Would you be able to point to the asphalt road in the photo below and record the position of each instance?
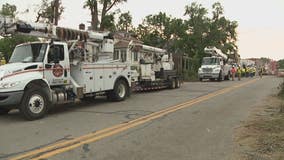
(201, 129)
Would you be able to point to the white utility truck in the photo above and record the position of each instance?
(153, 68)
(71, 65)
(214, 67)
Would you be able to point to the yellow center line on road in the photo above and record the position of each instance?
(61, 147)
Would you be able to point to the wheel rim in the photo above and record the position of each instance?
(36, 104)
(121, 90)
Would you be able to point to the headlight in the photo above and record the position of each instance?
(199, 70)
(8, 85)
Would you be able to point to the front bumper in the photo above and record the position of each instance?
(208, 75)
(10, 99)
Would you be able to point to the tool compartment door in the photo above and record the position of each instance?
(98, 74)
(110, 74)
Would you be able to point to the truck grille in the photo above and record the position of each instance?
(207, 70)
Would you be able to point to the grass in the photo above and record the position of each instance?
(281, 90)
(263, 138)
(271, 135)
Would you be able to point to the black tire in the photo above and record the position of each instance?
(4, 111)
(220, 78)
(177, 81)
(34, 104)
(120, 92)
(200, 79)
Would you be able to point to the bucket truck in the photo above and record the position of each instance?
(71, 65)
(154, 68)
(214, 66)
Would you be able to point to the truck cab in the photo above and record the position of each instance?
(33, 68)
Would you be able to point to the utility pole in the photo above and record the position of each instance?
(56, 12)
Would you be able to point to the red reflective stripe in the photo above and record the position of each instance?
(50, 69)
(123, 67)
(21, 72)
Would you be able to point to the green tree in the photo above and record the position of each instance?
(198, 28)
(7, 44)
(281, 64)
(192, 35)
(50, 11)
(153, 30)
(218, 10)
(8, 10)
(109, 22)
(222, 33)
(125, 22)
(105, 11)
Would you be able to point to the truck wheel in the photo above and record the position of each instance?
(200, 79)
(4, 111)
(177, 81)
(34, 104)
(220, 78)
(120, 91)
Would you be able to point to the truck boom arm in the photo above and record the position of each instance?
(155, 50)
(9, 26)
(213, 51)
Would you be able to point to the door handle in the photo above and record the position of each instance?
(48, 66)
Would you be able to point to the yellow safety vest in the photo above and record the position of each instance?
(3, 61)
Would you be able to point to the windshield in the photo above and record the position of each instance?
(210, 61)
(29, 53)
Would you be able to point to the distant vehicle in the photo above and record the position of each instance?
(214, 67)
(151, 68)
(280, 73)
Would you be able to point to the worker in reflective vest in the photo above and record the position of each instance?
(3, 61)
(239, 72)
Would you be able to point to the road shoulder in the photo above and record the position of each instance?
(261, 136)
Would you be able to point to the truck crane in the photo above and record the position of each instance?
(67, 65)
(214, 66)
(153, 70)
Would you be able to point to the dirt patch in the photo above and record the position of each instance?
(261, 137)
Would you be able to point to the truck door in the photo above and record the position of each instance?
(56, 68)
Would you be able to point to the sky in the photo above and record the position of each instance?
(261, 22)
